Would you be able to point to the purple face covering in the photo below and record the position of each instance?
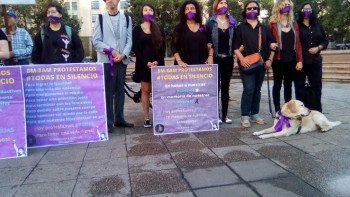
(222, 10)
(306, 13)
(251, 15)
(191, 15)
(54, 19)
(148, 17)
(285, 9)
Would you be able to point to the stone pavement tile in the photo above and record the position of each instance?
(318, 173)
(142, 138)
(146, 149)
(196, 158)
(52, 189)
(179, 194)
(99, 153)
(237, 153)
(177, 137)
(69, 147)
(116, 185)
(14, 176)
(286, 187)
(150, 163)
(34, 156)
(63, 156)
(258, 169)
(107, 167)
(226, 191)
(138, 130)
(157, 182)
(54, 172)
(218, 139)
(118, 152)
(184, 145)
(296, 137)
(113, 141)
(312, 145)
(8, 191)
(339, 158)
(208, 177)
(341, 140)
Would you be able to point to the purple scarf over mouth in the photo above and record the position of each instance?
(282, 120)
(108, 52)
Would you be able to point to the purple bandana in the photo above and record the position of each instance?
(201, 28)
(285, 9)
(148, 17)
(108, 52)
(306, 13)
(232, 21)
(282, 120)
(222, 10)
(252, 15)
(54, 19)
(191, 15)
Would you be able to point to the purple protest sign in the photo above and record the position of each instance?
(185, 99)
(65, 104)
(12, 126)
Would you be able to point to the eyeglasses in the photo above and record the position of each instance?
(252, 8)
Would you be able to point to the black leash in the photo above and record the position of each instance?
(269, 93)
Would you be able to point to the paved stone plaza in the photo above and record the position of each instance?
(231, 162)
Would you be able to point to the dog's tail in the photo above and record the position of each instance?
(335, 123)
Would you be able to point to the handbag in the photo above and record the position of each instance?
(255, 60)
(135, 78)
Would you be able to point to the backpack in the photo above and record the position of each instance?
(100, 19)
(68, 31)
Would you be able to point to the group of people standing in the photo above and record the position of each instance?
(292, 48)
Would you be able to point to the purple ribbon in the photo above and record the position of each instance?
(232, 21)
(282, 120)
(108, 52)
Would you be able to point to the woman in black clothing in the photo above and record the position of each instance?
(313, 39)
(56, 42)
(221, 29)
(4, 47)
(190, 40)
(247, 34)
(149, 47)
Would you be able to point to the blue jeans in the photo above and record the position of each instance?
(250, 102)
(115, 97)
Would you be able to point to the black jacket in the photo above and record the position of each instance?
(47, 53)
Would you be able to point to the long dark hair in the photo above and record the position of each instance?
(312, 18)
(157, 39)
(246, 5)
(182, 15)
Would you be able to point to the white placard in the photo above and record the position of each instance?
(16, 2)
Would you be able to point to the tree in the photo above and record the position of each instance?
(32, 17)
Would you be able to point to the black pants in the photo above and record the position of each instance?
(313, 71)
(282, 71)
(225, 74)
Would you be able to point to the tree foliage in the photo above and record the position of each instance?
(32, 17)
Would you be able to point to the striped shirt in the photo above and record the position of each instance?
(22, 44)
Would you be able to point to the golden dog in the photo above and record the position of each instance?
(296, 118)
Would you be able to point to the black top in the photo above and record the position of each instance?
(248, 37)
(312, 36)
(54, 49)
(192, 46)
(2, 35)
(288, 52)
(145, 52)
(224, 38)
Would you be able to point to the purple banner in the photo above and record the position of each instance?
(12, 126)
(65, 104)
(185, 99)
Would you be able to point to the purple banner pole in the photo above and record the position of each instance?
(185, 99)
(65, 104)
(12, 116)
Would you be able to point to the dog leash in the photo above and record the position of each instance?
(268, 93)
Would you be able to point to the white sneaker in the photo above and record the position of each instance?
(220, 121)
(228, 121)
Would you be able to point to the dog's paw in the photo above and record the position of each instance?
(257, 133)
(262, 137)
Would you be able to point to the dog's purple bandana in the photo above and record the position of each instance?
(108, 52)
(281, 121)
